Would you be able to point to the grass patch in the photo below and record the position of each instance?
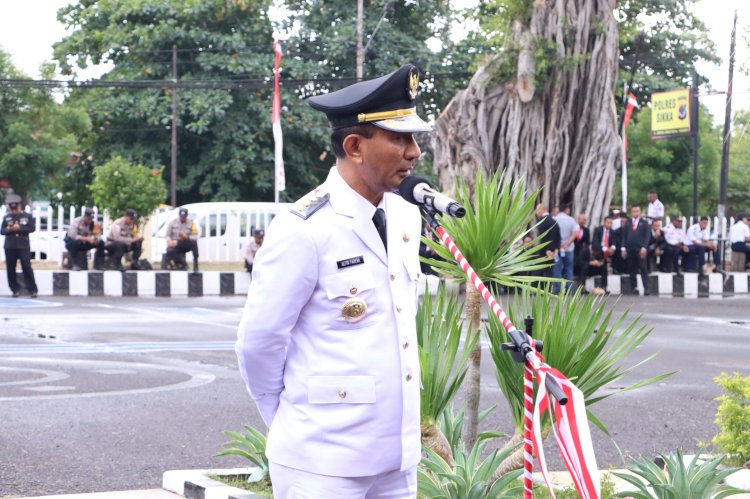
(262, 488)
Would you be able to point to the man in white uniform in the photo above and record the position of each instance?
(327, 344)
(655, 207)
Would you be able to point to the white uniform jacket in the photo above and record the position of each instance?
(340, 398)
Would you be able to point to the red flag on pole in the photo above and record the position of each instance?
(276, 121)
(629, 106)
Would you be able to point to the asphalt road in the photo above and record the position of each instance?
(101, 394)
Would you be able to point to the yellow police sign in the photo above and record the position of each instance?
(670, 113)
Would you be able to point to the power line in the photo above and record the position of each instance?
(206, 84)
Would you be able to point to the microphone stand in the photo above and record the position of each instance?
(522, 347)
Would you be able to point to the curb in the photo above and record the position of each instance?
(194, 484)
(159, 283)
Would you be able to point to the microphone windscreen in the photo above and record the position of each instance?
(406, 189)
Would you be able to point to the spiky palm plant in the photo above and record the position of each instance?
(583, 338)
(469, 478)
(698, 479)
(490, 236)
(252, 446)
(439, 328)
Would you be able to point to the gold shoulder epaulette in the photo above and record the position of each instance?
(310, 203)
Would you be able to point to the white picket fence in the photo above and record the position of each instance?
(224, 230)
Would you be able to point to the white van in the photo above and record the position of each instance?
(223, 227)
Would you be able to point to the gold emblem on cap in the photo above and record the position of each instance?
(354, 310)
(413, 83)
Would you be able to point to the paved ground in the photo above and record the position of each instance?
(108, 393)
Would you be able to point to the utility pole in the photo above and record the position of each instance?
(724, 182)
(694, 111)
(360, 49)
(173, 181)
(723, 185)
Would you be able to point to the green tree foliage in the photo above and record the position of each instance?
(37, 135)
(733, 417)
(663, 40)
(224, 135)
(739, 164)
(666, 166)
(119, 185)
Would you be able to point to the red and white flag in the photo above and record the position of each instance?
(276, 121)
(629, 107)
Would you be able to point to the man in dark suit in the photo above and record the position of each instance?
(636, 236)
(582, 252)
(549, 233)
(602, 250)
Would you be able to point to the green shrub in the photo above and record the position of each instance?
(119, 185)
(733, 417)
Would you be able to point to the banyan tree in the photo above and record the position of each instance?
(543, 109)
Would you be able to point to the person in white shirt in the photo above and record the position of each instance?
(564, 264)
(675, 250)
(655, 207)
(739, 235)
(251, 248)
(698, 242)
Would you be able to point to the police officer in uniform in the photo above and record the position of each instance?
(123, 238)
(182, 236)
(83, 235)
(17, 225)
(327, 344)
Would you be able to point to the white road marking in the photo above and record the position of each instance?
(197, 378)
(47, 376)
(55, 388)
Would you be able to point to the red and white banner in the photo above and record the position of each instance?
(276, 121)
(571, 430)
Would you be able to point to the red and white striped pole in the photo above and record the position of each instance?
(528, 373)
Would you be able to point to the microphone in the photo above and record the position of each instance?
(417, 190)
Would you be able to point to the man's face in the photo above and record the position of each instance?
(13, 206)
(635, 212)
(259, 238)
(703, 224)
(583, 220)
(387, 159)
(608, 223)
(129, 219)
(656, 225)
(183, 218)
(651, 197)
(677, 222)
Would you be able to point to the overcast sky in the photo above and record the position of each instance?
(28, 28)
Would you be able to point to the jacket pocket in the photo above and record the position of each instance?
(348, 283)
(341, 389)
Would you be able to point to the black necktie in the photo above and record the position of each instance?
(379, 220)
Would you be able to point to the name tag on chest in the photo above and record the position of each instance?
(350, 262)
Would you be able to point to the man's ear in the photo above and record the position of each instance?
(352, 146)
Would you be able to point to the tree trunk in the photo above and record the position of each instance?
(472, 385)
(434, 439)
(559, 134)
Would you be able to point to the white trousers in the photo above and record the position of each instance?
(291, 483)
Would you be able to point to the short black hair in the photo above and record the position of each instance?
(704, 218)
(339, 134)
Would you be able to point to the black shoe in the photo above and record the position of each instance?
(120, 268)
(135, 266)
(34, 294)
(16, 294)
(646, 292)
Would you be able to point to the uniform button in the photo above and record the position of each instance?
(398, 309)
(393, 277)
(342, 393)
(406, 344)
(353, 291)
(406, 237)
(408, 375)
